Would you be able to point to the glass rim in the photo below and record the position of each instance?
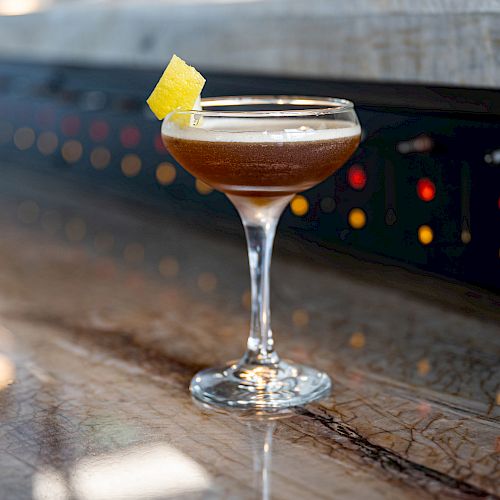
(329, 106)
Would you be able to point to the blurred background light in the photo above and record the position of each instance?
(426, 189)
(357, 218)
(356, 177)
(299, 205)
(425, 234)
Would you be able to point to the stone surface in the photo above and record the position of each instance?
(435, 41)
(98, 349)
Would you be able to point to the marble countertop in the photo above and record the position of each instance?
(107, 309)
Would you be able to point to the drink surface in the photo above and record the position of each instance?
(262, 156)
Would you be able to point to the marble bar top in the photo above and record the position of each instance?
(108, 308)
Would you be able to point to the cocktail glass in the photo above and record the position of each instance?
(260, 151)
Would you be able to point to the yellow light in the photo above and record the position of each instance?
(168, 267)
(131, 165)
(24, 138)
(100, 158)
(357, 218)
(203, 187)
(425, 234)
(300, 317)
(47, 143)
(75, 229)
(299, 205)
(165, 173)
(28, 212)
(133, 253)
(72, 151)
(207, 282)
(465, 236)
(357, 340)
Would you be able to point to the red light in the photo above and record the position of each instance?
(98, 130)
(356, 177)
(159, 146)
(130, 137)
(426, 189)
(70, 125)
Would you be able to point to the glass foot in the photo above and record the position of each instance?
(260, 386)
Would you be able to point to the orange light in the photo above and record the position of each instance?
(131, 165)
(426, 189)
(425, 235)
(47, 143)
(356, 177)
(203, 187)
(100, 158)
(165, 173)
(299, 205)
(357, 218)
(72, 151)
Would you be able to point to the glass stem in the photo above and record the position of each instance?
(260, 221)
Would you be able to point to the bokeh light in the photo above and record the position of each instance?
(131, 165)
(24, 138)
(299, 205)
(47, 143)
(165, 173)
(202, 187)
(426, 189)
(98, 130)
(425, 234)
(72, 151)
(327, 205)
(130, 137)
(357, 218)
(356, 177)
(100, 158)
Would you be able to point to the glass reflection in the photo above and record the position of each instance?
(262, 443)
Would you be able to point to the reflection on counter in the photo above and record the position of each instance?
(143, 472)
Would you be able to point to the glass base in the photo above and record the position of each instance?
(242, 385)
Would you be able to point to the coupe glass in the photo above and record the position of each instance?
(260, 151)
